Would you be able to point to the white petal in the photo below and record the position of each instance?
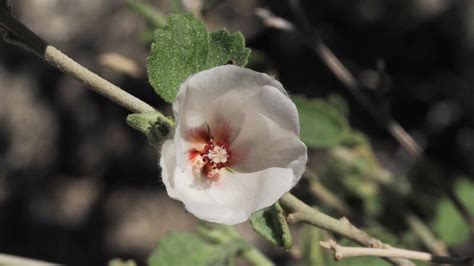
(230, 200)
(225, 113)
(245, 193)
(278, 107)
(263, 144)
(168, 166)
(263, 128)
(197, 199)
(198, 94)
(268, 94)
(234, 198)
(229, 93)
(206, 86)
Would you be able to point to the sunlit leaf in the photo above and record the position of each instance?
(183, 47)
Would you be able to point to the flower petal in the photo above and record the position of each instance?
(196, 198)
(234, 197)
(264, 145)
(250, 112)
(228, 93)
(168, 166)
(224, 118)
(245, 193)
(278, 107)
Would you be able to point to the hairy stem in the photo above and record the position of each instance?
(341, 252)
(19, 34)
(300, 212)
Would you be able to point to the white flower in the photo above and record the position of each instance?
(236, 147)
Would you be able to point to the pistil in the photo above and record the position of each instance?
(209, 162)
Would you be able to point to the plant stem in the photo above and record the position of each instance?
(15, 260)
(312, 40)
(462, 209)
(341, 252)
(325, 195)
(433, 244)
(154, 16)
(19, 34)
(304, 213)
(256, 258)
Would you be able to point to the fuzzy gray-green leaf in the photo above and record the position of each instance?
(180, 248)
(184, 48)
(178, 51)
(271, 224)
(153, 124)
(227, 48)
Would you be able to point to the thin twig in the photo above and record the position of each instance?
(272, 21)
(17, 33)
(16, 260)
(325, 195)
(148, 11)
(343, 74)
(463, 210)
(300, 212)
(433, 244)
(350, 82)
(341, 252)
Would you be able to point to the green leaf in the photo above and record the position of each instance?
(339, 103)
(448, 223)
(322, 125)
(227, 48)
(184, 48)
(176, 53)
(218, 233)
(153, 124)
(227, 251)
(218, 247)
(180, 248)
(270, 223)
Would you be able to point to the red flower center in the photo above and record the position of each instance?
(208, 156)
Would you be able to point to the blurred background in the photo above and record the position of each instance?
(77, 186)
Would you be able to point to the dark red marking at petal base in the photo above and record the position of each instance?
(236, 156)
(192, 154)
(221, 130)
(197, 135)
(205, 139)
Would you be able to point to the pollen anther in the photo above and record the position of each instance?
(215, 156)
